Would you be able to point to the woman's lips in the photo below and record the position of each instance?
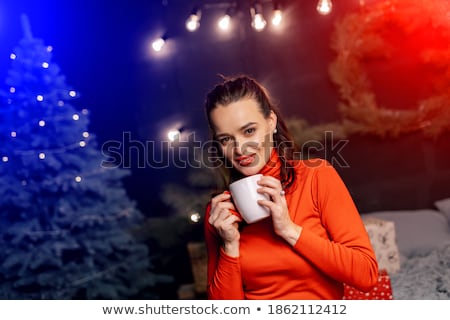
(245, 161)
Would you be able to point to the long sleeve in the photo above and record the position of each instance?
(224, 272)
(345, 254)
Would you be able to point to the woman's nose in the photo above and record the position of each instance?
(244, 146)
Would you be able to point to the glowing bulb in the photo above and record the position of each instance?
(12, 56)
(5, 159)
(258, 22)
(193, 22)
(224, 22)
(12, 90)
(49, 48)
(195, 217)
(158, 44)
(75, 117)
(72, 93)
(82, 144)
(173, 135)
(13, 134)
(324, 7)
(45, 65)
(277, 17)
(40, 97)
(78, 179)
(60, 103)
(85, 134)
(42, 156)
(42, 123)
(85, 111)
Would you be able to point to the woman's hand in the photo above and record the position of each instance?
(225, 222)
(282, 223)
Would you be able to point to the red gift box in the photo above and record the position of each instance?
(381, 291)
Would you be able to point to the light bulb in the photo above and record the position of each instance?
(75, 117)
(173, 135)
(45, 65)
(193, 22)
(324, 7)
(158, 44)
(277, 17)
(42, 156)
(259, 23)
(78, 179)
(224, 22)
(5, 159)
(40, 97)
(42, 123)
(195, 217)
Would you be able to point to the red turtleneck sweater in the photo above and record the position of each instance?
(333, 248)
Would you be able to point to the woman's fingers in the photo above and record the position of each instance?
(272, 187)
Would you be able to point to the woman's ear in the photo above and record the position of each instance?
(272, 121)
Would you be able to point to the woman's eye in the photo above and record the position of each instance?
(224, 140)
(249, 131)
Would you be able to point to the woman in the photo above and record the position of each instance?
(313, 241)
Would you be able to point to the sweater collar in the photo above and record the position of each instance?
(273, 166)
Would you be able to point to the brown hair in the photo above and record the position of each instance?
(233, 89)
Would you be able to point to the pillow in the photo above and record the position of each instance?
(417, 231)
(384, 243)
(444, 207)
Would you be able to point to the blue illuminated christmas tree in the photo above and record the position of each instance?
(65, 219)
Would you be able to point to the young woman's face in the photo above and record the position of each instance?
(245, 136)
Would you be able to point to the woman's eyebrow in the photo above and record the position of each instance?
(245, 126)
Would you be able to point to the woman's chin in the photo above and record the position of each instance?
(249, 171)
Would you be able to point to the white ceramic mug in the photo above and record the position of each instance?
(245, 197)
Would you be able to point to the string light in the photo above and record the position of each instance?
(193, 22)
(42, 123)
(277, 17)
(72, 93)
(12, 90)
(324, 7)
(225, 21)
(12, 56)
(158, 44)
(45, 65)
(42, 155)
(40, 97)
(258, 21)
(75, 117)
(195, 217)
(173, 135)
